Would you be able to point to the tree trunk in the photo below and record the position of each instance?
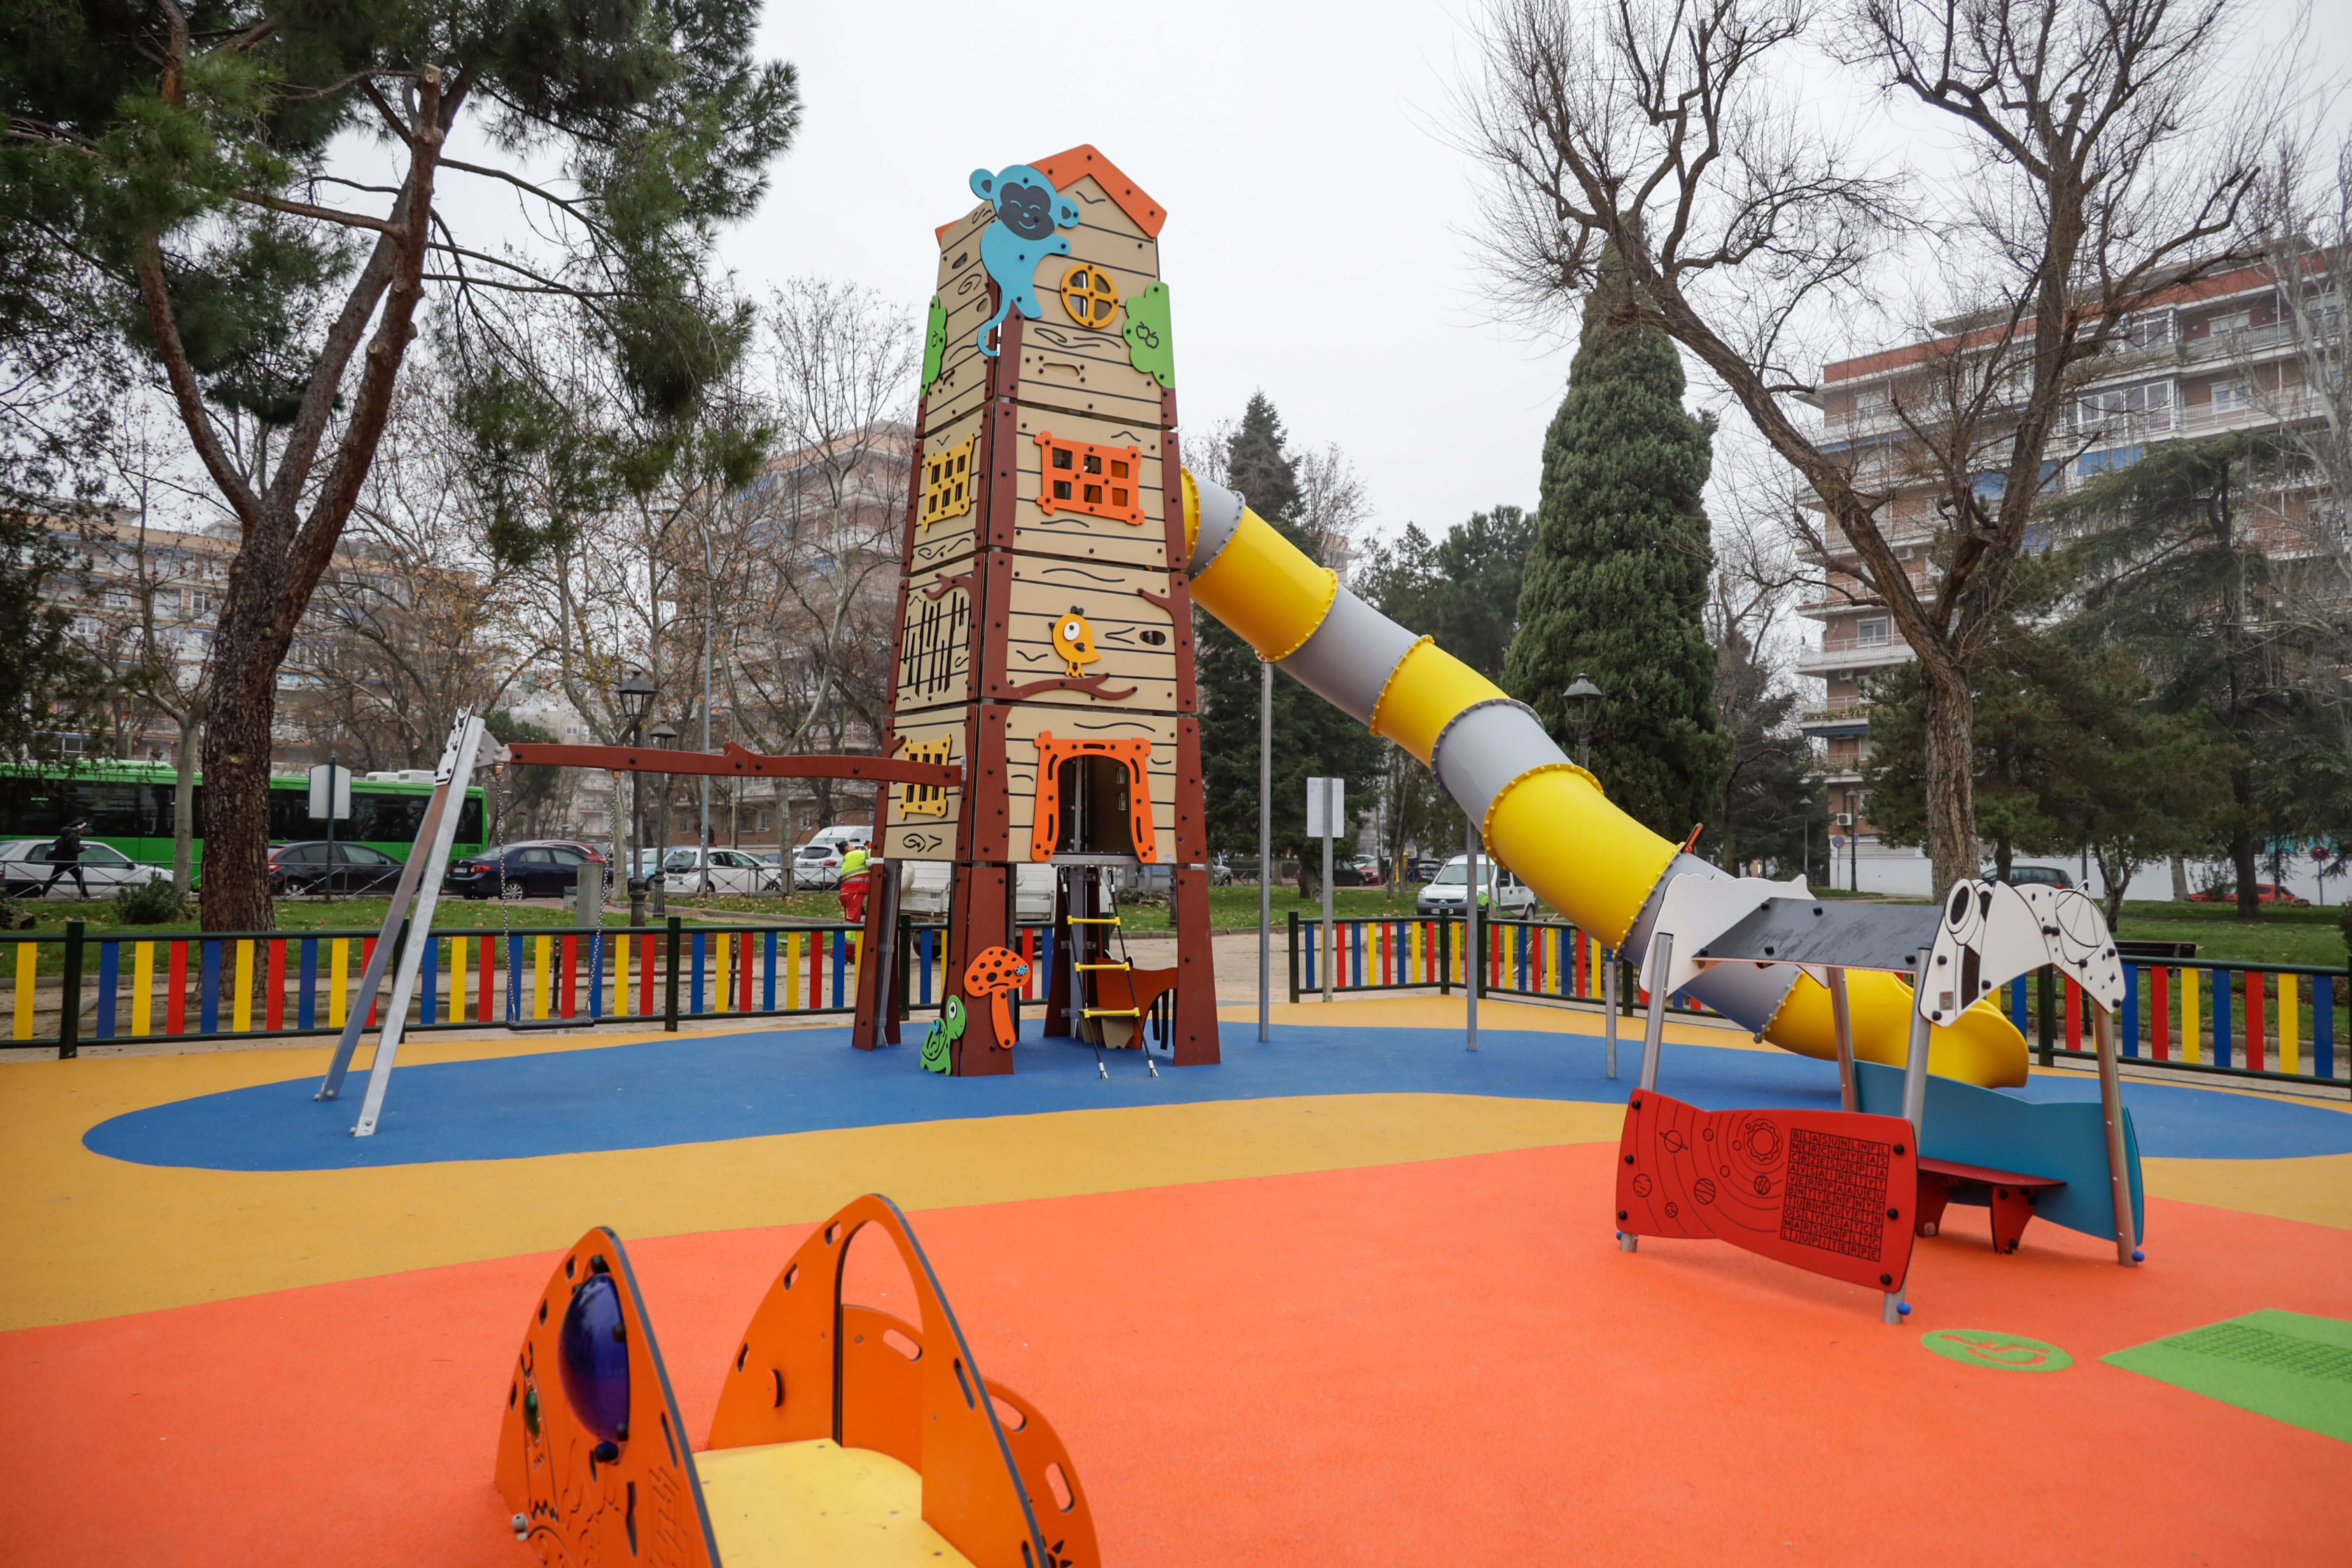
(184, 801)
(2179, 880)
(1950, 776)
(250, 646)
(2005, 855)
(2245, 848)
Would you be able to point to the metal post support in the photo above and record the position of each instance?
(1892, 1306)
(1654, 1026)
(669, 998)
(1473, 955)
(2111, 1111)
(1608, 1010)
(70, 997)
(412, 899)
(1266, 861)
(2045, 999)
(1294, 955)
(1841, 1019)
(1330, 938)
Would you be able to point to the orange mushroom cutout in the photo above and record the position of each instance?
(996, 973)
(1074, 640)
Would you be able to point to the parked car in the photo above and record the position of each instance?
(817, 865)
(538, 870)
(730, 872)
(315, 866)
(2032, 875)
(1507, 897)
(2264, 893)
(1423, 868)
(25, 865)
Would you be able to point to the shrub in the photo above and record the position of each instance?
(149, 904)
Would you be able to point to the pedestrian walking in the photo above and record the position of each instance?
(65, 855)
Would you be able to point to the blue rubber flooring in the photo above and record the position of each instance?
(708, 1088)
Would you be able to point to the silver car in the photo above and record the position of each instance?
(730, 872)
(24, 868)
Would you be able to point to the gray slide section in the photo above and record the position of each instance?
(1744, 993)
(1349, 660)
(1220, 515)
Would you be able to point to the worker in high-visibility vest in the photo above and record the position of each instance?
(856, 876)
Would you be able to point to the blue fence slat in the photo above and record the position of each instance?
(694, 1000)
(110, 961)
(514, 977)
(2131, 1010)
(2323, 1024)
(840, 965)
(2019, 1013)
(306, 994)
(2221, 989)
(428, 981)
(923, 965)
(770, 990)
(596, 972)
(208, 997)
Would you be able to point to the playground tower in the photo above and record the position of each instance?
(1045, 640)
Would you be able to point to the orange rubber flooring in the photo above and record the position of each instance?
(1443, 1362)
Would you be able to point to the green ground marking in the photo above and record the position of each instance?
(2289, 1366)
(1992, 1348)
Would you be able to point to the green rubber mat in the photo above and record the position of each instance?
(2285, 1366)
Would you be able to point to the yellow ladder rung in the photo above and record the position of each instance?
(1092, 921)
(1113, 1013)
(1121, 964)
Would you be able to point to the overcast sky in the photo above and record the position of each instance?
(1316, 239)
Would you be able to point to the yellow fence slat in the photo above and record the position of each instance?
(2290, 1025)
(142, 985)
(29, 965)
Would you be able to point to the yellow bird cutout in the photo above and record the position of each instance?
(1074, 640)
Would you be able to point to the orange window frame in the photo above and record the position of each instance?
(1052, 751)
(1081, 477)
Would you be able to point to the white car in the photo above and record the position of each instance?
(25, 869)
(1507, 897)
(730, 872)
(817, 866)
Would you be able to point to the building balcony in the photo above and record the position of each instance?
(1851, 717)
(1847, 652)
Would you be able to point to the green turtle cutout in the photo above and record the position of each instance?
(944, 1033)
(1150, 340)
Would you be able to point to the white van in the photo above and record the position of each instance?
(924, 886)
(1507, 896)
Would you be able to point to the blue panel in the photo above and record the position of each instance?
(769, 991)
(208, 999)
(108, 968)
(596, 971)
(306, 997)
(694, 998)
(2219, 986)
(2131, 1010)
(2066, 1140)
(2019, 1013)
(514, 978)
(923, 947)
(840, 965)
(428, 981)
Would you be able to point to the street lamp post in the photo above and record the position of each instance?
(663, 735)
(638, 692)
(1583, 694)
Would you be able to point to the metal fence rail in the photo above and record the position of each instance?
(2276, 1022)
(222, 985)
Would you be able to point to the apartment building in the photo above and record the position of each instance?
(2201, 360)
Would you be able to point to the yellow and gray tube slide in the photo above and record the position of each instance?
(1542, 816)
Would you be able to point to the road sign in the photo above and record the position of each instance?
(1326, 820)
(328, 782)
(1837, 840)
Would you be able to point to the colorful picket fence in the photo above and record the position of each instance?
(2272, 1021)
(135, 989)
(1523, 958)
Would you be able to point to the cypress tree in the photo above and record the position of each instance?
(1616, 585)
(1311, 738)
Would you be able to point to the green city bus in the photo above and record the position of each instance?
(128, 807)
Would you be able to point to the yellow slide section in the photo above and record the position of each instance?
(1550, 823)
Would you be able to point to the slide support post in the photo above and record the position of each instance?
(1473, 955)
(1841, 1016)
(1914, 1102)
(2111, 1112)
(1266, 858)
(1608, 1010)
(1653, 1026)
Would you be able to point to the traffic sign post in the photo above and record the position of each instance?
(330, 801)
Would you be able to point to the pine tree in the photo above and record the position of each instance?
(1616, 585)
(1311, 738)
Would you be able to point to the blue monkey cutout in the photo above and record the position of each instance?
(1028, 210)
